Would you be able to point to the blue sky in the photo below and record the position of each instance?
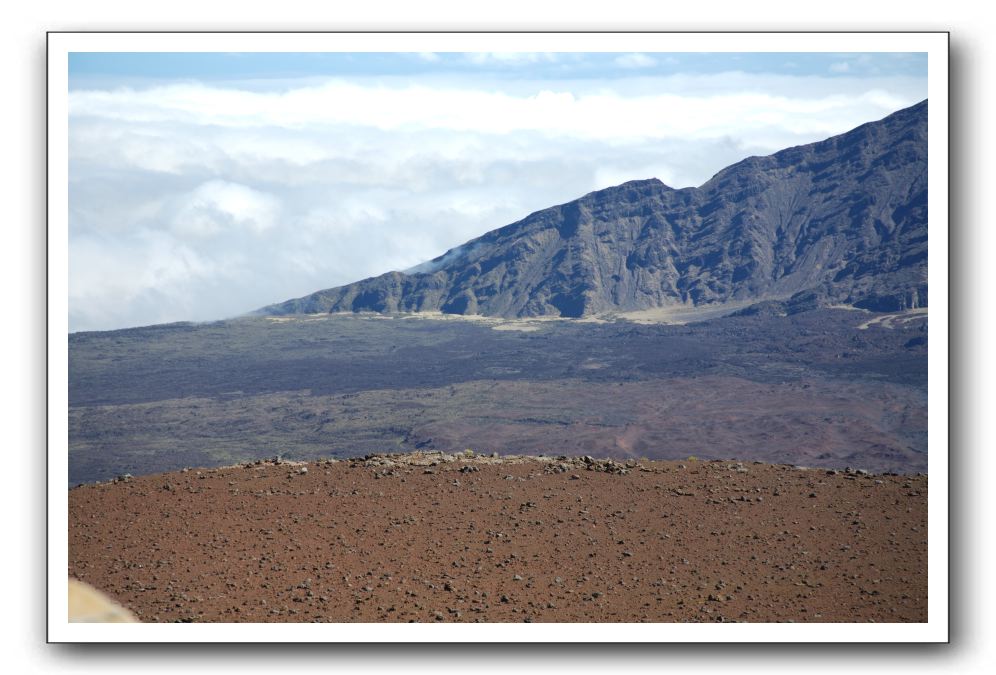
(203, 186)
(87, 69)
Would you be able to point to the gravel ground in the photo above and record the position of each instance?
(439, 537)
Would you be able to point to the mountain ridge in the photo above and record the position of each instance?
(841, 220)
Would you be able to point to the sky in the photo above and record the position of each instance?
(203, 186)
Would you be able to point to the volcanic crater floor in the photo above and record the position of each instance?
(429, 537)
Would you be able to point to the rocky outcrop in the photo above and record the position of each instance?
(839, 221)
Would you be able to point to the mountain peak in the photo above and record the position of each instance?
(841, 220)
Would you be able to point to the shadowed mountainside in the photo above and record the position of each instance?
(839, 221)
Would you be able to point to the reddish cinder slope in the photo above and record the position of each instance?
(432, 537)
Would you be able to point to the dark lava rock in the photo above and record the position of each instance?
(839, 221)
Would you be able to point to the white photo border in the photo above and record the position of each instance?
(61, 44)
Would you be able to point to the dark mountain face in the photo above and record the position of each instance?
(839, 221)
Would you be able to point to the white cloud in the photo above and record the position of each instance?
(600, 114)
(840, 67)
(147, 276)
(216, 206)
(635, 61)
(193, 202)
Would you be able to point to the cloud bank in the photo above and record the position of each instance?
(199, 201)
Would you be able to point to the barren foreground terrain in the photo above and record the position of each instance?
(443, 537)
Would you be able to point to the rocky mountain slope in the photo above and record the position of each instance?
(839, 221)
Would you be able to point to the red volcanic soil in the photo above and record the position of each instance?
(433, 537)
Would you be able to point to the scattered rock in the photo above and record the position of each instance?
(348, 539)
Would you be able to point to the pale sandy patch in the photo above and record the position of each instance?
(682, 314)
(523, 327)
(526, 324)
(896, 319)
(88, 605)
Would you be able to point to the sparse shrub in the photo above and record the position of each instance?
(468, 453)
(693, 458)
